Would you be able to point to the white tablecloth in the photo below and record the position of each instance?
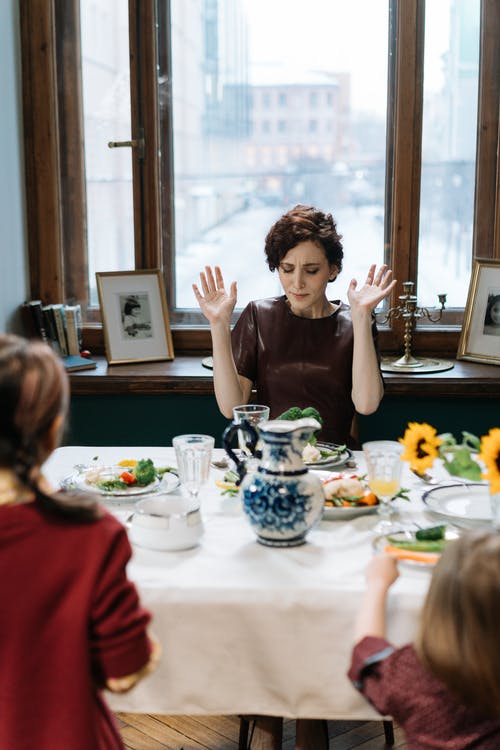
(251, 629)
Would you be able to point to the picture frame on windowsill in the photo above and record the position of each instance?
(135, 316)
(480, 336)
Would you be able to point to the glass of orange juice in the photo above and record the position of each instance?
(383, 465)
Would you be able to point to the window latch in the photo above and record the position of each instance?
(137, 143)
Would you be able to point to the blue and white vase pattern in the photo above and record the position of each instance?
(282, 499)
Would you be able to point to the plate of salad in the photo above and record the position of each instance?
(325, 454)
(127, 478)
(422, 547)
(346, 496)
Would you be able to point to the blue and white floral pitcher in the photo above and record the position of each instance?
(281, 498)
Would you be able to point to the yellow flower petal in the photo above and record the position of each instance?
(421, 444)
(490, 455)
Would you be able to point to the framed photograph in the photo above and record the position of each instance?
(480, 337)
(134, 316)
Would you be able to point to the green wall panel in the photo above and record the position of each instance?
(445, 414)
(141, 420)
(154, 420)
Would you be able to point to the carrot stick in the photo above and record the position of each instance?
(405, 554)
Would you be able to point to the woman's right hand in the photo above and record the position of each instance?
(215, 303)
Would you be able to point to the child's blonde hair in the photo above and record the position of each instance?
(458, 639)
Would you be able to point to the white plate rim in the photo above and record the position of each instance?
(331, 513)
(448, 490)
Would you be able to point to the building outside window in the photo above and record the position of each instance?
(242, 124)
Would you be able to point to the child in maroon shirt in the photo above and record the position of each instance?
(444, 690)
(71, 622)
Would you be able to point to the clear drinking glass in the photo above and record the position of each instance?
(495, 510)
(252, 413)
(384, 464)
(193, 454)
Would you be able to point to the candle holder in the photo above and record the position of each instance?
(409, 311)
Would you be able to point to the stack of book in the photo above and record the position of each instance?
(60, 326)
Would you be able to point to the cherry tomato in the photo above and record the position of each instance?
(127, 477)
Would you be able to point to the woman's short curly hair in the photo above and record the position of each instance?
(300, 224)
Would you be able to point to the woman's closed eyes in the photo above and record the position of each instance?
(310, 271)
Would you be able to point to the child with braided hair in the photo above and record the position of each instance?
(71, 623)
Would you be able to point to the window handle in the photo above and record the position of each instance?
(137, 143)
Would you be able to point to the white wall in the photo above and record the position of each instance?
(13, 252)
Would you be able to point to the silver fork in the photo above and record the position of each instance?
(429, 479)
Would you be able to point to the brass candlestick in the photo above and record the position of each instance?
(410, 312)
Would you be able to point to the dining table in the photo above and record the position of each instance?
(251, 629)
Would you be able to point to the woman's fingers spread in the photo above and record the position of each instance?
(210, 278)
(219, 279)
(384, 276)
(371, 274)
(204, 284)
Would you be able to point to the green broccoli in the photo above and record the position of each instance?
(310, 411)
(294, 412)
(145, 471)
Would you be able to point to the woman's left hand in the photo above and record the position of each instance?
(377, 286)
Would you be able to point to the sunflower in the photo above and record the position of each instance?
(421, 443)
(490, 454)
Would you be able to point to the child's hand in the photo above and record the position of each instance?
(382, 570)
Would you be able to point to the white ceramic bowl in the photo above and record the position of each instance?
(165, 523)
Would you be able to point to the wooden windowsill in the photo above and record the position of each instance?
(186, 375)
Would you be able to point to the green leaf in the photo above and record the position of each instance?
(402, 494)
(231, 476)
(447, 438)
(462, 465)
(337, 452)
(472, 440)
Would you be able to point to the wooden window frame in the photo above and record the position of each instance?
(55, 181)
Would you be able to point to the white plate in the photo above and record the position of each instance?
(331, 513)
(167, 483)
(331, 461)
(463, 504)
(380, 542)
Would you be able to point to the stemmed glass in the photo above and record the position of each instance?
(384, 464)
(193, 454)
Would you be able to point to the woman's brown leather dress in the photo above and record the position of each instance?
(295, 361)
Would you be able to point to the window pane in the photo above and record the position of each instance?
(272, 107)
(448, 149)
(106, 107)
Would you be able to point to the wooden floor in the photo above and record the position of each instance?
(155, 732)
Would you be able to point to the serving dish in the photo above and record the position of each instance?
(333, 513)
(465, 505)
(336, 460)
(381, 542)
